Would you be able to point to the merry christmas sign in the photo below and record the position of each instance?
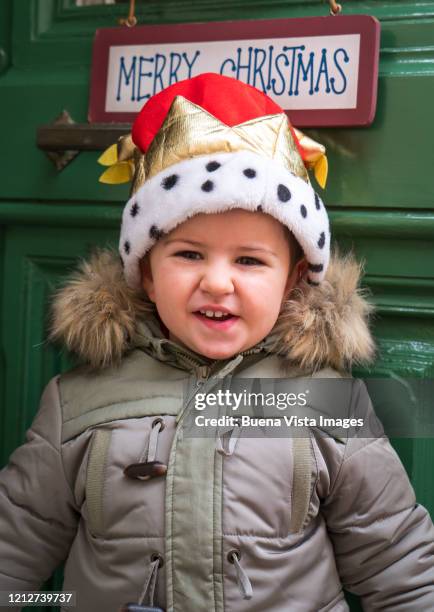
(323, 71)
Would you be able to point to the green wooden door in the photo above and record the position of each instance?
(379, 193)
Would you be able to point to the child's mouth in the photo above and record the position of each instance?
(216, 320)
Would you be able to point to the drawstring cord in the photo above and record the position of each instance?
(234, 433)
(157, 426)
(150, 583)
(234, 436)
(242, 579)
(229, 367)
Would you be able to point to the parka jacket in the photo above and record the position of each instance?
(270, 524)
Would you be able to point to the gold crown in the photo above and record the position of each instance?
(190, 131)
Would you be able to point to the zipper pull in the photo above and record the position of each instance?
(202, 374)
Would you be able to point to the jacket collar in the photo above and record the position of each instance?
(150, 339)
(98, 317)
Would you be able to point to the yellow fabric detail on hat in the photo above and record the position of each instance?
(110, 156)
(314, 157)
(118, 173)
(321, 170)
(190, 131)
(312, 150)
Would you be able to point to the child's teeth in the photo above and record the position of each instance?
(210, 313)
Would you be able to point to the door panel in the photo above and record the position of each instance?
(379, 193)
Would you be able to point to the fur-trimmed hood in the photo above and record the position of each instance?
(98, 317)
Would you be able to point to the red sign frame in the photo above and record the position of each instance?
(367, 26)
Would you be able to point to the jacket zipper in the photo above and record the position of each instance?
(202, 373)
(202, 376)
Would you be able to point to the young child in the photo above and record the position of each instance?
(224, 271)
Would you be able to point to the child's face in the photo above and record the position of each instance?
(236, 262)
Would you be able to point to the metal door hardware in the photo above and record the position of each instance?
(63, 139)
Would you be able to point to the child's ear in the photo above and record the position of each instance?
(299, 271)
(301, 267)
(147, 278)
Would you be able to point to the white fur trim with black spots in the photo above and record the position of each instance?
(216, 183)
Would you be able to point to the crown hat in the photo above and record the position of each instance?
(210, 144)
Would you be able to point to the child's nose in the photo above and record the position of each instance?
(217, 280)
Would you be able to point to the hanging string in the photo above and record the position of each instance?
(131, 20)
(335, 8)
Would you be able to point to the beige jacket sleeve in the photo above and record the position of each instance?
(383, 539)
(38, 516)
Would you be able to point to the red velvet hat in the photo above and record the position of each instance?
(212, 92)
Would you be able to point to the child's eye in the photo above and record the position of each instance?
(249, 261)
(188, 255)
